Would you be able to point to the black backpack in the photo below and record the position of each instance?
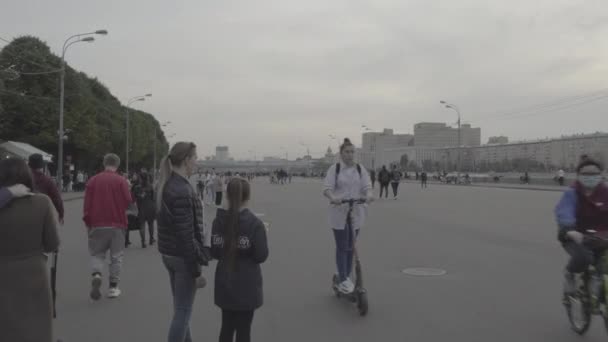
(384, 176)
(338, 171)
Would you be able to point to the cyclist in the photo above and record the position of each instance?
(346, 180)
(584, 206)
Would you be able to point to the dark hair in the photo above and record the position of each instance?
(176, 157)
(15, 171)
(345, 144)
(35, 161)
(111, 160)
(237, 193)
(588, 162)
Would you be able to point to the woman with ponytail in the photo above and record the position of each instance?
(346, 180)
(180, 240)
(239, 244)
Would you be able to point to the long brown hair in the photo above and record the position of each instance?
(176, 157)
(238, 192)
(15, 171)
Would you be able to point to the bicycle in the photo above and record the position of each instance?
(589, 297)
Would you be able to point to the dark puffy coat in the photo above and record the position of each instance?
(180, 223)
(239, 289)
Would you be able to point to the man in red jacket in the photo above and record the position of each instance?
(106, 199)
(43, 183)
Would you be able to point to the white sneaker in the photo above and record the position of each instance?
(114, 292)
(346, 286)
(95, 287)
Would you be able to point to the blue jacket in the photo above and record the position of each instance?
(565, 211)
(576, 211)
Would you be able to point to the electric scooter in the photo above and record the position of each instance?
(359, 295)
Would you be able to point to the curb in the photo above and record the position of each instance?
(507, 187)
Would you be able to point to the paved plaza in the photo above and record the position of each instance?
(498, 247)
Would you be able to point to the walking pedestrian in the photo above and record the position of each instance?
(44, 184)
(134, 221)
(180, 229)
(147, 209)
(106, 200)
(424, 179)
(384, 179)
(372, 176)
(395, 180)
(29, 229)
(79, 181)
(218, 185)
(239, 244)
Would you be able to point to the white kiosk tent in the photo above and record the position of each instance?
(22, 150)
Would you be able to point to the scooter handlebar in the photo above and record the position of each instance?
(354, 201)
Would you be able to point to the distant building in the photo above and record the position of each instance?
(435, 134)
(374, 143)
(498, 140)
(549, 154)
(563, 152)
(221, 153)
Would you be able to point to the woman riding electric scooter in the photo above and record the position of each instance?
(346, 180)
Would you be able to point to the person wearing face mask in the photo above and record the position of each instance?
(582, 207)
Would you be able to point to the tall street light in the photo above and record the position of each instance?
(127, 144)
(155, 167)
(77, 38)
(455, 108)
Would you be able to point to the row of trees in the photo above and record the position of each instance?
(93, 117)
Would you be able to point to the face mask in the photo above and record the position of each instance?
(590, 182)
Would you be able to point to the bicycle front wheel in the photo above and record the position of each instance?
(578, 307)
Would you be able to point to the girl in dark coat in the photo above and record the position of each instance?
(239, 243)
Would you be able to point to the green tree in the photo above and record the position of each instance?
(93, 117)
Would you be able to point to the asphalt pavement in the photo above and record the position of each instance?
(498, 247)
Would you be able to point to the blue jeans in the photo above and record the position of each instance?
(344, 251)
(183, 288)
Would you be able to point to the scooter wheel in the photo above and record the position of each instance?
(362, 304)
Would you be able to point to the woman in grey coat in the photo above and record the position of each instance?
(29, 229)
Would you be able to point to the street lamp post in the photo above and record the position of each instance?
(81, 37)
(155, 167)
(455, 108)
(127, 115)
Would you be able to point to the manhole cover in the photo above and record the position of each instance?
(424, 272)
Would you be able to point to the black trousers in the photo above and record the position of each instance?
(236, 322)
(580, 257)
(218, 198)
(384, 189)
(395, 188)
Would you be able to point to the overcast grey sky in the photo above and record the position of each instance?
(265, 74)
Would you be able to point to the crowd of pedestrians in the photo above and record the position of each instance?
(31, 204)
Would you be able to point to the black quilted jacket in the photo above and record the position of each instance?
(180, 223)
